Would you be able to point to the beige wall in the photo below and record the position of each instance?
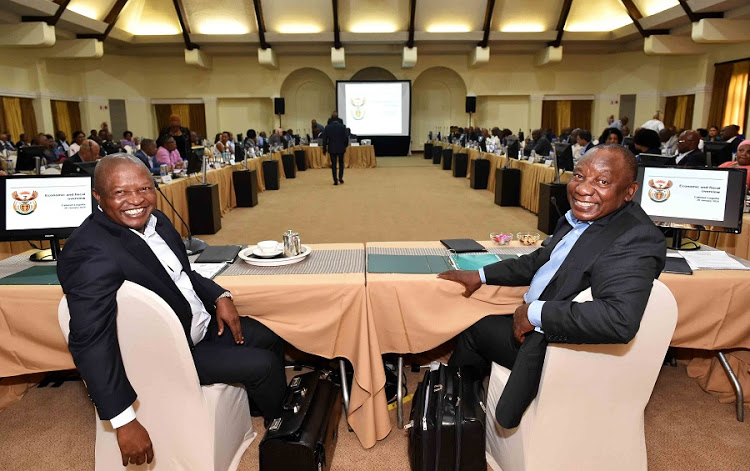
(237, 92)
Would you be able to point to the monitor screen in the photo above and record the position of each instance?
(718, 151)
(655, 160)
(563, 156)
(25, 160)
(381, 108)
(43, 206)
(691, 198)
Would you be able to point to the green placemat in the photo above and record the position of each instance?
(41, 275)
(477, 261)
(416, 264)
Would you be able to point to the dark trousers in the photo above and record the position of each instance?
(258, 363)
(340, 159)
(491, 340)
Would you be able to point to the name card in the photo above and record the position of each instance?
(547, 163)
(531, 159)
(166, 179)
(313, 144)
(354, 144)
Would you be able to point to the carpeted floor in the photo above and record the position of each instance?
(403, 199)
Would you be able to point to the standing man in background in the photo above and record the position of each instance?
(335, 141)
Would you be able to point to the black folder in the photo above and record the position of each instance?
(463, 245)
(219, 254)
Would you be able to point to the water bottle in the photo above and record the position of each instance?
(533, 155)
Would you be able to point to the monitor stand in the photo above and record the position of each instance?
(677, 242)
(47, 255)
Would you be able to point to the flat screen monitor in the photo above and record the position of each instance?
(78, 168)
(627, 140)
(239, 152)
(36, 207)
(655, 160)
(718, 152)
(564, 156)
(514, 149)
(25, 160)
(375, 108)
(693, 199)
(112, 149)
(195, 159)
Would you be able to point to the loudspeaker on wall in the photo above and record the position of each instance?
(278, 105)
(471, 104)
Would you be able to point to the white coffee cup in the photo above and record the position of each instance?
(268, 246)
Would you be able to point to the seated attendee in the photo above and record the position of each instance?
(5, 143)
(290, 138)
(583, 142)
(262, 139)
(539, 144)
(646, 141)
(23, 141)
(94, 135)
(78, 138)
(668, 137)
(604, 242)
(704, 135)
(276, 140)
(743, 159)
(317, 128)
(655, 123)
(223, 145)
(167, 152)
(611, 136)
(104, 138)
(351, 136)
(51, 154)
(127, 140)
(61, 141)
(250, 138)
(713, 134)
(730, 134)
(230, 140)
(127, 239)
(87, 152)
(147, 155)
(180, 134)
(688, 154)
(496, 139)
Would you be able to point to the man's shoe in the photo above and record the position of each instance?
(341, 181)
(335, 182)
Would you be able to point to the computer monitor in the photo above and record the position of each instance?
(25, 159)
(564, 156)
(112, 148)
(718, 152)
(656, 160)
(626, 141)
(692, 199)
(513, 149)
(44, 207)
(239, 152)
(195, 160)
(78, 168)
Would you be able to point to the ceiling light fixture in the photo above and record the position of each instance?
(522, 28)
(653, 7)
(222, 26)
(84, 10)
(299, 29)
(373, 27)
(609, 24)
(154, 29)
(448, 28)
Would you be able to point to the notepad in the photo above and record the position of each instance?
(39, 275)
(414, 264)
(208, 270)
(477, 261)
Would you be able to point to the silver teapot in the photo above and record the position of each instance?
(292, 244)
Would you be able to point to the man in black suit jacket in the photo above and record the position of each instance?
(335, 142)
(126, 238)
(539, 144)
(605, 242)
(688, 154)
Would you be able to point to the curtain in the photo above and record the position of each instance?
(192, 116)
(678, 111)
(61, 117)
(13, 117)
(734, 109)
(74, 112)
(3, 126)
(729, 94)
(560, 114)
(28, 117)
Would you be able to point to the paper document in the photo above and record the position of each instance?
(208, 270)
(711, 260)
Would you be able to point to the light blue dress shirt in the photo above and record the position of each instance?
(545, 274)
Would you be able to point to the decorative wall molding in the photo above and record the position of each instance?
(566, 97)
(178, 101)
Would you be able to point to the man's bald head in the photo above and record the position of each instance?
(688, 141)
(623, 154)
(89, 150)
(116, 163)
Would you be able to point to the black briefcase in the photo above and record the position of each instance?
(305, 435)
(447, 422)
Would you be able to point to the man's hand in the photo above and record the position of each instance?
(469, 278)
(521, 324)
(135, 444)
(227, 314)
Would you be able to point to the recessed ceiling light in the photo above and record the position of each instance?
(448, 28)
(373, 27)
(299, 28)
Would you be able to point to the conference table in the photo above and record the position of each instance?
(330, 306)
(355, 157)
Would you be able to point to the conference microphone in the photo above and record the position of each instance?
(192, 246)
(552, 199)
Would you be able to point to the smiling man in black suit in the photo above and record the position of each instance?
(126, 238)
(605, 242)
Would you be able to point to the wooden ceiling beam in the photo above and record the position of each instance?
(182, 18)
(336, 28)
(261, 25)
(110, 20)
(564, 12)
(50, 20)
(635, 14)
(695, 17)
(412, 23)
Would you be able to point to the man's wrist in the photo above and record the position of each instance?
(123, 418)
(225, 294)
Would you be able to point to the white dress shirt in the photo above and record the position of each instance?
(653, 124)
(73, 149)
(173, 267)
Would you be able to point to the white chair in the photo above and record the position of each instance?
(588, 414)
(192, 427)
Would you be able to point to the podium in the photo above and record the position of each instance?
(203, 207)
(245, 188)
(290, 168)
(271, 176)
(427, 151)
(460, 165)
(447, 158)
(301, 160)
(437, 154)
(551, 210)
(508, 187)
(480, 174)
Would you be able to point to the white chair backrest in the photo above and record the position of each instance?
(160, 368)
(129, 150)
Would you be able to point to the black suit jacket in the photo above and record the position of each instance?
(696, 158)
(619, 256)
(98, 257)
(335, 138)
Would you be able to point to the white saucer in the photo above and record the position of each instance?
(260, 254)
(249, 257)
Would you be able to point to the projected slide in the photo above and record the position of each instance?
(684, 193)
(375, 108)
(47, 203)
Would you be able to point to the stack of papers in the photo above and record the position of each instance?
(208, 270)
(710, 260)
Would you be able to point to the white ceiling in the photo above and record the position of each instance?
(368, 26)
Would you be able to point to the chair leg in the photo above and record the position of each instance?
(400, 393)
(344, 385)
(735, 384)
